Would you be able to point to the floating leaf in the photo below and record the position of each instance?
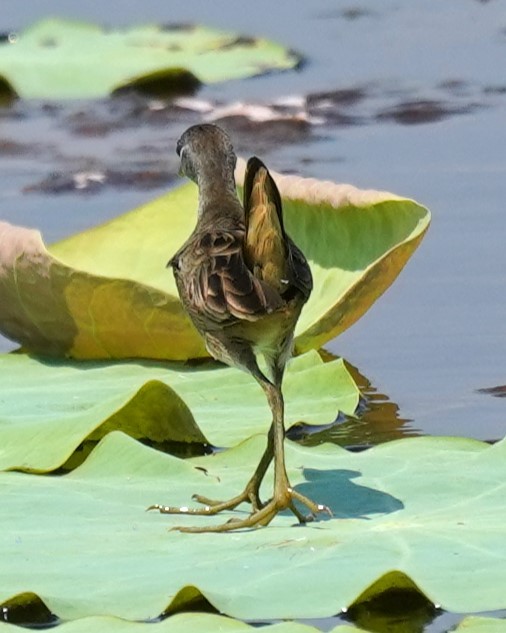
(49, 407)
(424, 512)
(105, 293)
(64, 59)
(56, 309)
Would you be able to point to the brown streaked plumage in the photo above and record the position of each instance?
(243, 282)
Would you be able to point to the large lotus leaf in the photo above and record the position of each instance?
(423, 512)
(179, 623)
(106, 293)
(57, 58)
(49, 407)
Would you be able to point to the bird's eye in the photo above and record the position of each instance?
(179, 147)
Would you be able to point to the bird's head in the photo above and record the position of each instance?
(205, 148)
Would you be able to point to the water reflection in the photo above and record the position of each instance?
(377, 419)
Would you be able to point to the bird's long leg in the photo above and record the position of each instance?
(244, 359)
(251, 493)
(284, 496)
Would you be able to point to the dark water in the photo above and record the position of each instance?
(418, 108)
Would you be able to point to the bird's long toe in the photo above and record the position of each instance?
(210, 507)
(259, 517)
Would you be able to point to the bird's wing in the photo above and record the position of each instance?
(265, 247)
(300, 273)
(260, 188)
(269, 251)
(218, 285)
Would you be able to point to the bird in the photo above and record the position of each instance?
(243, 282)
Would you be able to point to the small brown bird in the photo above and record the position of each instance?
(243, 282)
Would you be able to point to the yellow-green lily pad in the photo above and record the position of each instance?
(106, 293)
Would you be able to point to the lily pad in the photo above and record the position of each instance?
(63, 59)
(424, 512)
(48, 408)
(105, 293)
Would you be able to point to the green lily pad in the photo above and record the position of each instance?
(106, 293)
(47, 408)
(424, 512)
(63, 59)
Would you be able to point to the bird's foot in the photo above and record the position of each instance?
(261, 515)
(212, 506)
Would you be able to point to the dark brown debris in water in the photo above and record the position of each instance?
(93, 181)
(495, 90)
(497, 392)
(423, 111)
(297, 115)
(261, 136)
(257, 128)
(341, 97)
(338, 107)
(9, 147)
(355, 13)
(457, 87)
(124, 112)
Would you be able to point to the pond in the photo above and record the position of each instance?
(404, 97)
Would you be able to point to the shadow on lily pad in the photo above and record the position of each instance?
(346, 500)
